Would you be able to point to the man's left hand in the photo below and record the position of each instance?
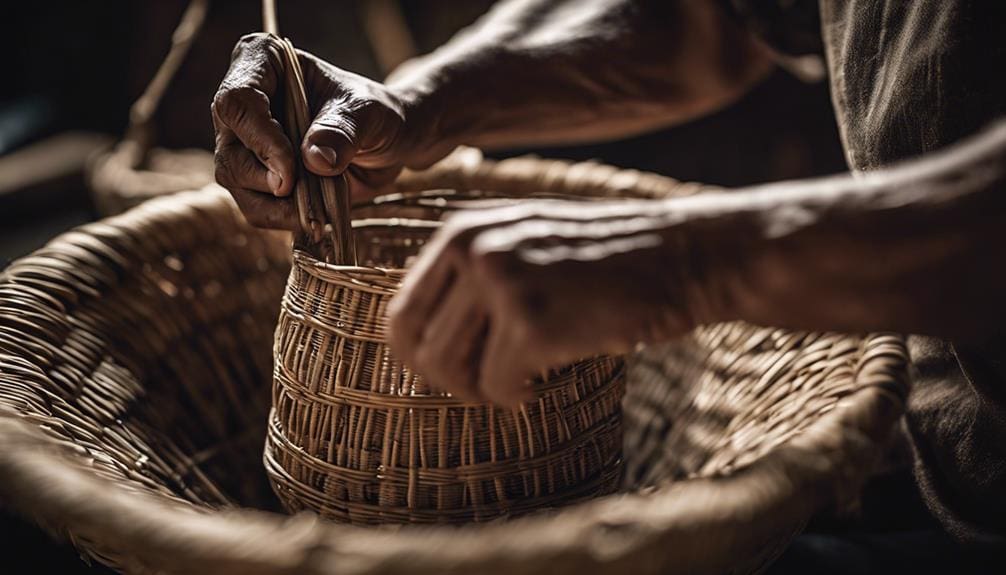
(499, 295)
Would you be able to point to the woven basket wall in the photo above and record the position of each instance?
(356, 436)
(135, 386)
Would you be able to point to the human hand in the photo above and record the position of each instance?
(499, 295)
(358, 125)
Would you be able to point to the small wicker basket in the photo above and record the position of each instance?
(134, 395)
(355, 435)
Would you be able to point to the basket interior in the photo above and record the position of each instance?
(155, 333)
(390, 230)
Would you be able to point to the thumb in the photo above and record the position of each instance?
(331, 141)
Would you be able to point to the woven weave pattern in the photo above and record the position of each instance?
(154, 331)
(356, 436)
(728, 394)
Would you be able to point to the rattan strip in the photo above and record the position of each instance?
(323, 203)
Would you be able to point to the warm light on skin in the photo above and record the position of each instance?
(548, 282)
(558, 280)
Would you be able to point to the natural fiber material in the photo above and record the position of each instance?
(117, 183)
(322, 202)
(355, 435)
(134, 390)
(726, 395)
(151, 329)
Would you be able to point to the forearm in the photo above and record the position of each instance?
(547, 71)
(916, 248)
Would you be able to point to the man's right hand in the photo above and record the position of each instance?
(359, 125)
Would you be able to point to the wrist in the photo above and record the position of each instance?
(423, 86)
(710, 246)
(762, 248)
(422, 138)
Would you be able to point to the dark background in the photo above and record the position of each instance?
(73, 67)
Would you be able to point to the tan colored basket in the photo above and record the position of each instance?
(134, 390)
(355, 435)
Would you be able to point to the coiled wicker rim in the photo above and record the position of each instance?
(699, 525)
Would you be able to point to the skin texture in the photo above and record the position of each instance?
(501, 294)
(358, 126)
(504, 293)
(528, 72)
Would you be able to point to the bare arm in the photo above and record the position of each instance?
(548, 71)
(531, 71)
(914, 248)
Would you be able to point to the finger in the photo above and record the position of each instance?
(331, 143)
(425, 285)
(452, 343)
(245, 111)
(413, 306)
(242, 104)
(238, 169)
(264, 211)
(503, 374)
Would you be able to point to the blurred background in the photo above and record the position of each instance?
(73, 69)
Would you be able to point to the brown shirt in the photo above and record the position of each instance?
(909, 77)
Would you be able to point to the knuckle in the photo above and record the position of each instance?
(252, 42)
(336, 124)
(234, 103)
(254, 38)
(222, 171)
(369, 109)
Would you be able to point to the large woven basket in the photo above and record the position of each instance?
(134, 389)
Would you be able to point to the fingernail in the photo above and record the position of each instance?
(275, 181)
(328, 154)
